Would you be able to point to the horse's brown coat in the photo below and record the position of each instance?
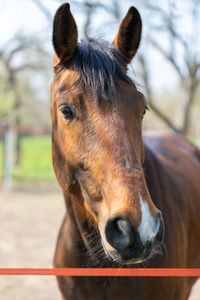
(99, 162)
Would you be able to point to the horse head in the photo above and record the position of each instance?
(97, 146)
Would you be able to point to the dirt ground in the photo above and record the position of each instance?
(29, 224)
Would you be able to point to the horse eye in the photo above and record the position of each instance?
(67, 112)
(146, 108)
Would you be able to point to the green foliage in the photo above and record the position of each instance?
(35, 161)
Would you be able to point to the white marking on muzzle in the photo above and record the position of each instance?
(148, 227)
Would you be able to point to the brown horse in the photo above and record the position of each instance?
(117, 189)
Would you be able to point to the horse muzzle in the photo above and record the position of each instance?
(127, 245)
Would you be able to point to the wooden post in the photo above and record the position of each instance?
(9, 146)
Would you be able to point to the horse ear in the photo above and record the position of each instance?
(129, 34)
(65, 33)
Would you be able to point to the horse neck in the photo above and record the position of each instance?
(155, 174)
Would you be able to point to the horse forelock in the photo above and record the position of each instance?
(100, 66)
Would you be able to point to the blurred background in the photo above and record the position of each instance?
(166, 69)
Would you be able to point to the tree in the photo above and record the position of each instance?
(180, 52)
(20, 57)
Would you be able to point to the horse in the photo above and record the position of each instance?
(128, 196)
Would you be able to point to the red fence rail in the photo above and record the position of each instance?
(140, 272)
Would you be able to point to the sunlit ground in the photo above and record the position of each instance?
(29, 222)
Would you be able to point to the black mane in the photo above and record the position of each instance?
(100, 66)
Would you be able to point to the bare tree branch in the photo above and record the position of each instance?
(167, 56)
(43, 9)
(186, 68)
(146, 80)
(16, 49)
(89, 10)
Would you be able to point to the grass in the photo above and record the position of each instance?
(194, 139)
(35, 163)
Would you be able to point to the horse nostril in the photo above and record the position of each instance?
(120, 234)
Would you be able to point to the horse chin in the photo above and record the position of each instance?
(115, 257)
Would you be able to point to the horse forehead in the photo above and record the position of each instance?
(63, 80)
(67, 78)
(126, 97)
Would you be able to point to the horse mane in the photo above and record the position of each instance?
(100, 66)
